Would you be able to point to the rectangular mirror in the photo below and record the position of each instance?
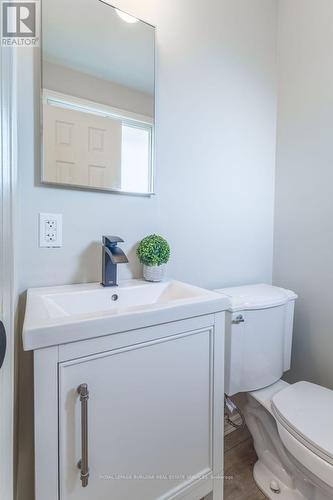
(98, 97)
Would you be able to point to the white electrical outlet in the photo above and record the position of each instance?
(50, 230)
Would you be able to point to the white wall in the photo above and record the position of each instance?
(304, 209)
(216, 116)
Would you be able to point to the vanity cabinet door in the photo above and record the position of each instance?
(149, 419)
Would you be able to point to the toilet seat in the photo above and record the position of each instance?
(304, 415)
(306, 411)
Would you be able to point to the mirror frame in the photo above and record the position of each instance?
(152, 166)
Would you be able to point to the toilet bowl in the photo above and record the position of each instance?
(286, 456)
(291, 425)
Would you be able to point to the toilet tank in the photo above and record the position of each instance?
(259, 329)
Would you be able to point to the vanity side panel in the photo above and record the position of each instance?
(46, 423)
(218, 406)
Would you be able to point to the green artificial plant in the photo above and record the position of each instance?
(153, 250)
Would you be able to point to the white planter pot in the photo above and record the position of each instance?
(154, 273)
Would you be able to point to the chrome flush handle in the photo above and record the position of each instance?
(238, 319)
(83, 463)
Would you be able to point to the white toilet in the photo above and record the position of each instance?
(292, 425)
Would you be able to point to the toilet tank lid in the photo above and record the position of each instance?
(259, 296)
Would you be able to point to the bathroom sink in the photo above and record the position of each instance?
(57, 315)
(93, 299)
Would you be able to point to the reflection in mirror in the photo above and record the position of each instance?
(98, 97)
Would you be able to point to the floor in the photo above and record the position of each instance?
(239, 458)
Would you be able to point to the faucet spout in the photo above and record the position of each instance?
(116, 255)
(112, 255)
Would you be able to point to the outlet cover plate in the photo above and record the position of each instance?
(50, 230)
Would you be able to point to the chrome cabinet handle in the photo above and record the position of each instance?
(83, 463)
(238, 319)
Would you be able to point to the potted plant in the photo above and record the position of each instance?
(153, 252)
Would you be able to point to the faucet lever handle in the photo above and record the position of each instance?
(112, 240)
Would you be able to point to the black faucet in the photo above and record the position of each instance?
(112, 255)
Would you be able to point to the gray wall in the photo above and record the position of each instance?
(304, 208)
(216, 137)
(216, 124)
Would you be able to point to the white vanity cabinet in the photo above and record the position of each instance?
(142, 409)
(151, 417)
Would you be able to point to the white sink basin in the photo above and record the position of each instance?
(69, 313)
(92, 299)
